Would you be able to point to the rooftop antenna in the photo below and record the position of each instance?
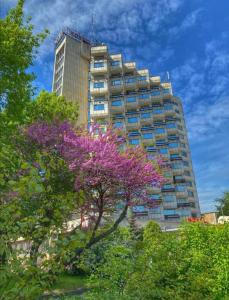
(168, 76)
(93, 39)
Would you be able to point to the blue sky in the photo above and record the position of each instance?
(188, 38)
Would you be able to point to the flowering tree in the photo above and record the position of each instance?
(106, 175)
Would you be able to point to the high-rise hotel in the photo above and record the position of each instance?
(142, 106)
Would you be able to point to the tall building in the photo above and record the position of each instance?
(71, 69)
(142, 106)
(148, 113)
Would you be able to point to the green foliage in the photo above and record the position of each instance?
(48, 107)
(18, 46)
(223, 205)
(192, 263)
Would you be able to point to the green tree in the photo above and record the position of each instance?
(18, 48)
(223, 205)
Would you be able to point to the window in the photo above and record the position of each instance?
(184, 213)
(173, 145)
(163, 150)
(145, 115)
(142, 78)
(168, 212)
(189, 183)
(116, 82)
(99, 85)
(190, 194)
(168, 107)
(166, 91)
(155, 210)
(155, 92)
(187, 173)
(131, 99)
(116, 103)
(176, 166)
(160, 130)
(186, 163)
(167, 186)
(130, 80)
(169, 198)
(133, 133)
(118, 124)
(98, 106)
(171, 125)
(134, 142)
(139, 208)
(180, 188)
(115, 63)
(148, 135)
(174, 155)
(184, 153)
(155, 197)
(132, 120)
(158, 111)
(98, 65)
(144, 96)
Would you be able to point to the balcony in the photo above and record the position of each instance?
(117, 105)
(160, 132)
(131, 101)
(146, 117)
(99, 51)
(99, 91)
(148, 138)
(144, 99)
(129, 67)
(156, 94)
(167, 93)
(143, 81)
(158, 113)
(98, 68)
(130, 83)
(132, 123)
(155, 80)
(116, 85)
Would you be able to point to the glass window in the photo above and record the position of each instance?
(98, 64)
(169, 198)
(175, 155)
(139, 208)
(173, 145)
(98, 85)
(184, 213)
(142, 78)
(130, 80)
(118, 124)
(116, 103)
(187, 173)
(180, 188)
(186, 163)
(158, 111)
(148, 135)
(145, 115)
(176, 166)
(168, 212)
(115, 63)
(132, 120)
(155, 92)
(168, 106)
(155, 210)
(167, 186)
(171, 125)
(144, 96)
(134, 142)
(166, 91)
(98, 106)
(163, 150)
(116, 82)
(190, 194)
(160, 130)
(155, 197)
(131, 99)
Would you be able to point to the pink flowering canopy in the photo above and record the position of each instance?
(102, 171)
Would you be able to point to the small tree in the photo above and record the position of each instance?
(223, 205)
(105, 175)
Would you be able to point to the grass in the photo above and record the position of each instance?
(69, 282)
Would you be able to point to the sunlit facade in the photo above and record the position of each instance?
(148, 114)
